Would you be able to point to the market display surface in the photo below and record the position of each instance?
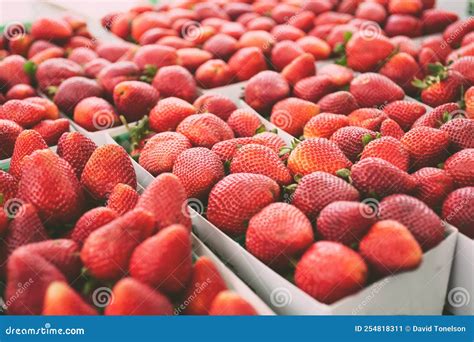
(323, 149)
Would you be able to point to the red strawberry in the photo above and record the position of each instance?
(455, 32)
(371, 90)
(76, 149)
(314, 88)
(12, 71)
(292, 114)
(161, 151)
(301, 67)
(95, 114)
(317, 154)
(324, 125)
(94, 67)
(221, 46)
(465, 66)
(389, 247)
(35, 274)
(135, 99)
(379, 178)
(412, 7)
(260, 39)
(155, 56)
(168, 113)
(40, 171)
(318, 189)
(237, 197)
(20, 92)
(390, 128)
(369, 118)
(458, 208)
(351, 140)
(278, 233)
(107, 166)
(206, 277)
(228, 303)
(339, 75)
(52, 130)
(406, 44)
(216, 104)
(164, 260)
(405, 113)
(53, 71)
(244, 122)
(469, 101)
(371, 11)
(340, 271)
(284, 52)
(460, 166)
(198, 169)
(427, 146)
(460, 133)
(315, 46)
(426, 57)
(9, 132)
(23, 113)
(270, 139)
(90, 221)
(71, 91)
(364, 55)
(45, 55)
(8, 187)
(345, 221)
(25, 228)
(165, 197)
(265, 89)
(422, 222)
(433, 185)
(50, 29)
(226, 149)
(205, 130)
(122, 199)
(389, 149)
(115, 73)
(132, 297)
(437, 116)
(247, 62)
(62, 300)
(402, 69)
(107, 250)
(341, 102)
(403, 25)
(175, 81)
(436, 20)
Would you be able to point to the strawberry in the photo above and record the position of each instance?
(53, 71)
(265, 89)
(50, 29)
(379, 178)
(12, 71)
(351, 140)
(457, 210)
(469, 101)
(390, 128)
(71, 91)
(45, 55)
(8, 187)
(94, 67)
(122, 199)
(205, 130)
(464, 66)
(456, 31)
(52, 130)
(107, 166)
(253, 192)
(315, 46)
(369, 118)
(422, 222)
(260, 39)
(198, 169)
(247, 62)
(52, 111)
(82, 55)
(389, 149)
(436, 20)
(206, 277)
(221, 46)
(20, 92)
(168, 113)
(364, 55)
(301, 67)
(115, 73)
(24, 113)
(216, 104)
(460, 167)
(372, 90)
(427, 146)
(345, 221)
(9, 132)
(76, 149)
(460, 133)
(214, 73)
(324, 125)
(107, 250)
(437, 116)
(340, 271)
(259, 159)
(405, 113)
(402, 69)
(25, 228)
(317, 154)
(157, 56)
(260, 23)
(389, 248)
(161, 151)
(39, 171)
(270, 139)
(35, 274)
(372, 11)
(95, 114)
(165, 197)
(412, 7)
(226, 149)
(278, 233)
(62, 300)
(175, 81)
(341, 102)
(318, 189)
(339, 75)
(132, 297)
(147, 20)
(314, 88)
(283, 53)
(426, 57)
(228, 303)
(90, 221)
(403, 25)
(292, 114)
(135, 99)
(433, 185)
(406, 44)
(244, 122)
(164, 260)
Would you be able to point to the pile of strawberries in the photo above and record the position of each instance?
(74, 229)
